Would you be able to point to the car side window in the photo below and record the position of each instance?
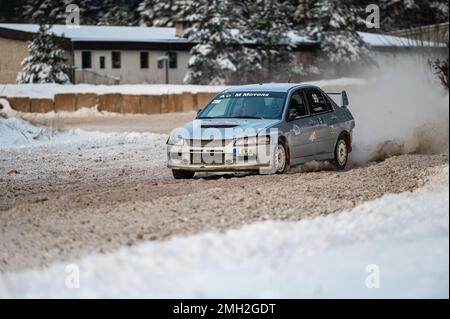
(297, 103)
(329, 104)
(317, 102)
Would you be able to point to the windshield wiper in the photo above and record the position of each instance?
(247, 117)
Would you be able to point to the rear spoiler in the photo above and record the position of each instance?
(344, 98)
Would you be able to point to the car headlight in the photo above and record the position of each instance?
(252, 141)
(175, 140)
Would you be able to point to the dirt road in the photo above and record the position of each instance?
(64, 201)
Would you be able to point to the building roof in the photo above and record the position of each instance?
(104, 33)
(129, 34)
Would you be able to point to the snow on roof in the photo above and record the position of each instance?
(383, 40)
(155, 34)
(105, 33)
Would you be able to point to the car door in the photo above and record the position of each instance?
(301, 128)
(322, 116)
(332, 126)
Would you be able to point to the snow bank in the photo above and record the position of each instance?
(49, 90)
(402, 237)
(18, 132)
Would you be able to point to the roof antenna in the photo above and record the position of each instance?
(289, 80)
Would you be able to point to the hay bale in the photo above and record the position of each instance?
(203, 98)
(167, 103)
(65, 102)
(131, 103)
(86, 100)
(178, 98)
(111, 102)
(21, 104)
(151, 104)
(41, 105)
(189, 101)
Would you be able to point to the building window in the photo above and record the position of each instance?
(102, 62)
(86, 62)
(115, 59)
(144, 60)
(172, 60)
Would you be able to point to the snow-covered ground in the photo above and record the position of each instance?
(398, 243)
(49, 90)
(16, 132)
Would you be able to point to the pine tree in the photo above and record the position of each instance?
(404, 14)
(215, 57)
(158, 13)
(45, 11)
(335, 23)
(266, 23)
(119, 12)
(46, 62)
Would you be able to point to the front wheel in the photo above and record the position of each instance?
(340, 153)
(181, 174)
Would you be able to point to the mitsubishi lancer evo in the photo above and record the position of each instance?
(264, 128)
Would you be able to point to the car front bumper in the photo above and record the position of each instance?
(225, 159)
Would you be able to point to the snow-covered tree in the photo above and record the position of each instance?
(335, 23)
(104, 12)
(158, 13)
(266, 24)
(46, 61)
(45, 11)
(404, 14)
(118, 12)
(216, 55)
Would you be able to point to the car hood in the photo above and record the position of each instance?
(218, 128)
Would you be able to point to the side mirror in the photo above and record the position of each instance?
(198, 112)
(292, 114)
(344, 99)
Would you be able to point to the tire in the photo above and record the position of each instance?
(340, 153)
(180, 174)
(281, 158)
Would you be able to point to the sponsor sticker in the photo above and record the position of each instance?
(296, 130)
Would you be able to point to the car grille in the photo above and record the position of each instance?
(208, 143)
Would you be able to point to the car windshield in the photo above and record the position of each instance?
(257, 105)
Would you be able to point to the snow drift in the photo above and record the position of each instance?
(404, 236)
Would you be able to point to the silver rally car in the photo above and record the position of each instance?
(265, 128)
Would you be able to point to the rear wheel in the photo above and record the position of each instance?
(181, 174)
(281, 158)
(341, 153)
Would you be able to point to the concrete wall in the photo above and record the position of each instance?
(114, 102)
(12, 53)
(130, 71)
